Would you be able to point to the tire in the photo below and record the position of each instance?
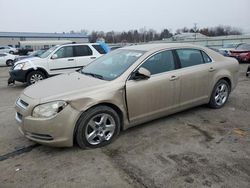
(9, 62)
(92, 124)
(11, 52)
(220, 94)
(34, 77)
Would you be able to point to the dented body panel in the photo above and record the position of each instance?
(136, 101)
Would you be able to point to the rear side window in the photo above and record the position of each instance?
(82, 50)
(161, 62)
(190, 57)
(99, 49)
(243, 47)
(206, 58)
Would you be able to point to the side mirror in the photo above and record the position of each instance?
(141, 74)
(54, 56)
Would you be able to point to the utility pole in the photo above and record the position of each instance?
(195, 30)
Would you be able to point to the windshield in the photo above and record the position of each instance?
(243, 47)
(112, 65)
(47, 53)
(37, 53)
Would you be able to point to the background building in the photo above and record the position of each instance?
(13, 38)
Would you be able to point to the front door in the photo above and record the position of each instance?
(63, 61)
(156, 96)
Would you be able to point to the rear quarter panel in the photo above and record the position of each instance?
(226, 67)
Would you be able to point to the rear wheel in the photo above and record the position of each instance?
(97, 127)
(11, 52)
(9, 62)
(220, 94)
(34, 77)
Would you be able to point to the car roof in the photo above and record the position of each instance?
(160, 46)
(77, 44)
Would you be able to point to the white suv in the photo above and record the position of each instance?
(57, 60)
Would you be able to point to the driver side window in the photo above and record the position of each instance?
(64, 52)
(160, 62)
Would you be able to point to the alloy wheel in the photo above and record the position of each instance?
(100, 128)
(221, 94)
(35, 78)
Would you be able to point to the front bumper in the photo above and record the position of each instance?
(18, 75)
(55, 131)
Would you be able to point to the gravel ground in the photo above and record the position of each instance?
(200, 147)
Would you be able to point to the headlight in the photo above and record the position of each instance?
(48, 109)
(19, 66)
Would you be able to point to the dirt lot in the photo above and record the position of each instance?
(200, 147)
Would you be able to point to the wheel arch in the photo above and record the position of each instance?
(227, 79)
(9, 60)
(111, 105)
(38, 69)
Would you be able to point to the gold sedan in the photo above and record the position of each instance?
(124, 88)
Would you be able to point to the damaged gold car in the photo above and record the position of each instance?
(124, 88)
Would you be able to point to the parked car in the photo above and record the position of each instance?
(226, 48)
(8, 49)
(214, 49)
(242, 53)
(24, 51)
(124, 88)
(36, 53)
(57, 60)
(6, 59)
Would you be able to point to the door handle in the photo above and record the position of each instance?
(173, 78)
(92, 57)
(211, 69)
(71, 59)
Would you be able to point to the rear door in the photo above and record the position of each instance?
(84, 55)
(156, 96)
(64, 62)
(194, 74)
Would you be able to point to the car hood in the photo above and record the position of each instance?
(64, 87)
(240, 51)
(29, 59)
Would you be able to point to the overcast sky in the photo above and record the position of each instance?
(120, 15)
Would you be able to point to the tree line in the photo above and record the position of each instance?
(146, 35)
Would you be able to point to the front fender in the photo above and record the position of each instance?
(115, 98)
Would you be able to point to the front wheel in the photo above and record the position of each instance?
(97, 127)
(9, 62)
(34, 77)
(220, 94)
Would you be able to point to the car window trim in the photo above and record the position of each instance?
(148, 57)
(74, 50)
(178, 58)
(56, 50)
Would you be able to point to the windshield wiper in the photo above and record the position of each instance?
(94, 75)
